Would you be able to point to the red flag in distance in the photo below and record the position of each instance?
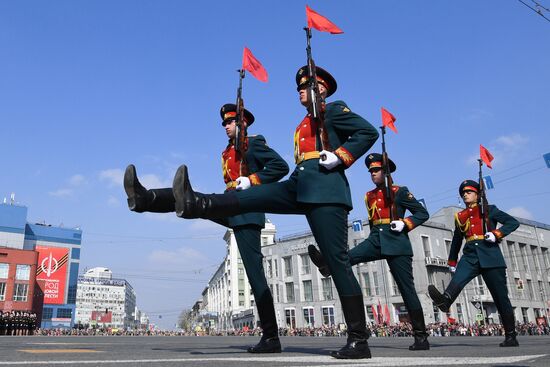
(319, 22)
(485, 155)
(252, 64)
(388, 119)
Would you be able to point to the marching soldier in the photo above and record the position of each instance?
(261, 165)
(317, 188)
(389, 240)
(481, 256)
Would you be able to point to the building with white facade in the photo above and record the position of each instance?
(104, 301)
(303, 297)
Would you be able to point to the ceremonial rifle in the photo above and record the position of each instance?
(483, 203)
(241, 144)
(389, 195)
(314, 98)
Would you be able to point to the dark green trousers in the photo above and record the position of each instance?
(328, 223)
(468, 268)
(400, 268)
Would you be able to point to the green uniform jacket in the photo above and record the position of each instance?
(488, 254)
(397, 243)
(268, 165)
(350, 136)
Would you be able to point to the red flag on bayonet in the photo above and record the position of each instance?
(486, 157)
(388, 119)
(319, 22)
(252, 64)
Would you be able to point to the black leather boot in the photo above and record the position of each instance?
(509, 324)
(357, 346)
(442, 301)
(419, 330)
(318, 260)
(191, 204)
(269, 343)
(142, 200)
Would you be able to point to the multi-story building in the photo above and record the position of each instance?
(18, 280)
(228, 299)
(56, 266)
(104, 301)
(305, 298)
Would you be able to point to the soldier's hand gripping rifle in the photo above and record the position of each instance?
(389, 195)
(314, 98)
(483, 203)
(241, 143)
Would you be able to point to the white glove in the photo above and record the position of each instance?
(452, 269)
(397, 225)
(243, 183)
(330, 160)
(490, 237)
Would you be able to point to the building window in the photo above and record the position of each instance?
(306, 269)
(288, 266)
(269, 269)
(376, 290)
(75, 253)
(240, 271)
(308, 291)
(309, 317)
(448, 247)
(4, 270)
(480, 287)
(327, 289)
(366, 281)
(65, 313)
(264, 241)
(289, 292)
(20, 292)
(545, 257)
(524, 258)
(426, 246)
(47, 313)
(530, 289)
(2, 291)
(275, 268)
(290, 316)
(22, 272)
(524, 315)
(328, 316)
(513, 257)
(394, 287)
(535, 256)
(277, 288)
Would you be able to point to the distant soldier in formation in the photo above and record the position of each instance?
(389, 240)
(261, 165)
(481, 256)
(2, 323)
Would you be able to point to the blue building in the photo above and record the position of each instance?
(58, 261)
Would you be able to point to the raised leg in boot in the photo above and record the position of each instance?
(142, 200)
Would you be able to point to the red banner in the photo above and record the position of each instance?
(52, 269)
(102, 317)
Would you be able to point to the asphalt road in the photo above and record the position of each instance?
(85, 351)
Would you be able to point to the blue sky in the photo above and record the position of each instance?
(88, 87)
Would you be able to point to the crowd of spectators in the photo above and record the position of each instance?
(383, 330)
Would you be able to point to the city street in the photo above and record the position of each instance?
(230, 351)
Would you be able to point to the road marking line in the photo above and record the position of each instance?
(53, 351)
(378, 361)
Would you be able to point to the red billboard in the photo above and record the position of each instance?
(102, 317)
(52, 270)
